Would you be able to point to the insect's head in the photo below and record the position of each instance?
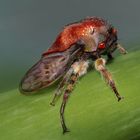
(110, 39)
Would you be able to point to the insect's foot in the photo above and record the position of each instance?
(120, 98)
(52, 104)
(124, 52)
(65, 131)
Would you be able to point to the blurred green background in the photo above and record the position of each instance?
(27, 28)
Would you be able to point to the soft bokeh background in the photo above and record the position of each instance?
(28, 27)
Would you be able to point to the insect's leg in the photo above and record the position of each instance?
(60, 88)
(67, 92)
(121, 49)
(58, 92)
(110, 51)
(79, 69)
(100, 66)
(109, 55)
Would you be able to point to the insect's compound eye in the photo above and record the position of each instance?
(101, 45)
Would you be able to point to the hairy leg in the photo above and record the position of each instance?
(79, 69)
(100, 66)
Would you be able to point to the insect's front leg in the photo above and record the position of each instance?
(100, 66)
(113, 48)
(79, 69)
(110, 57)
(121, 49)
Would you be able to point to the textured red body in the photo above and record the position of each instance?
(73, 32)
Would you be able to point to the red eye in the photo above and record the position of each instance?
(101, 45)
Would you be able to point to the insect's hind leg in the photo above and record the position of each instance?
(100, 66)
(79, 69)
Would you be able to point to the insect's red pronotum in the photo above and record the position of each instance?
(68, 59)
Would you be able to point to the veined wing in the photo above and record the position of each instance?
(48, 69)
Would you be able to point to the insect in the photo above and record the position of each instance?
(68, 59)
